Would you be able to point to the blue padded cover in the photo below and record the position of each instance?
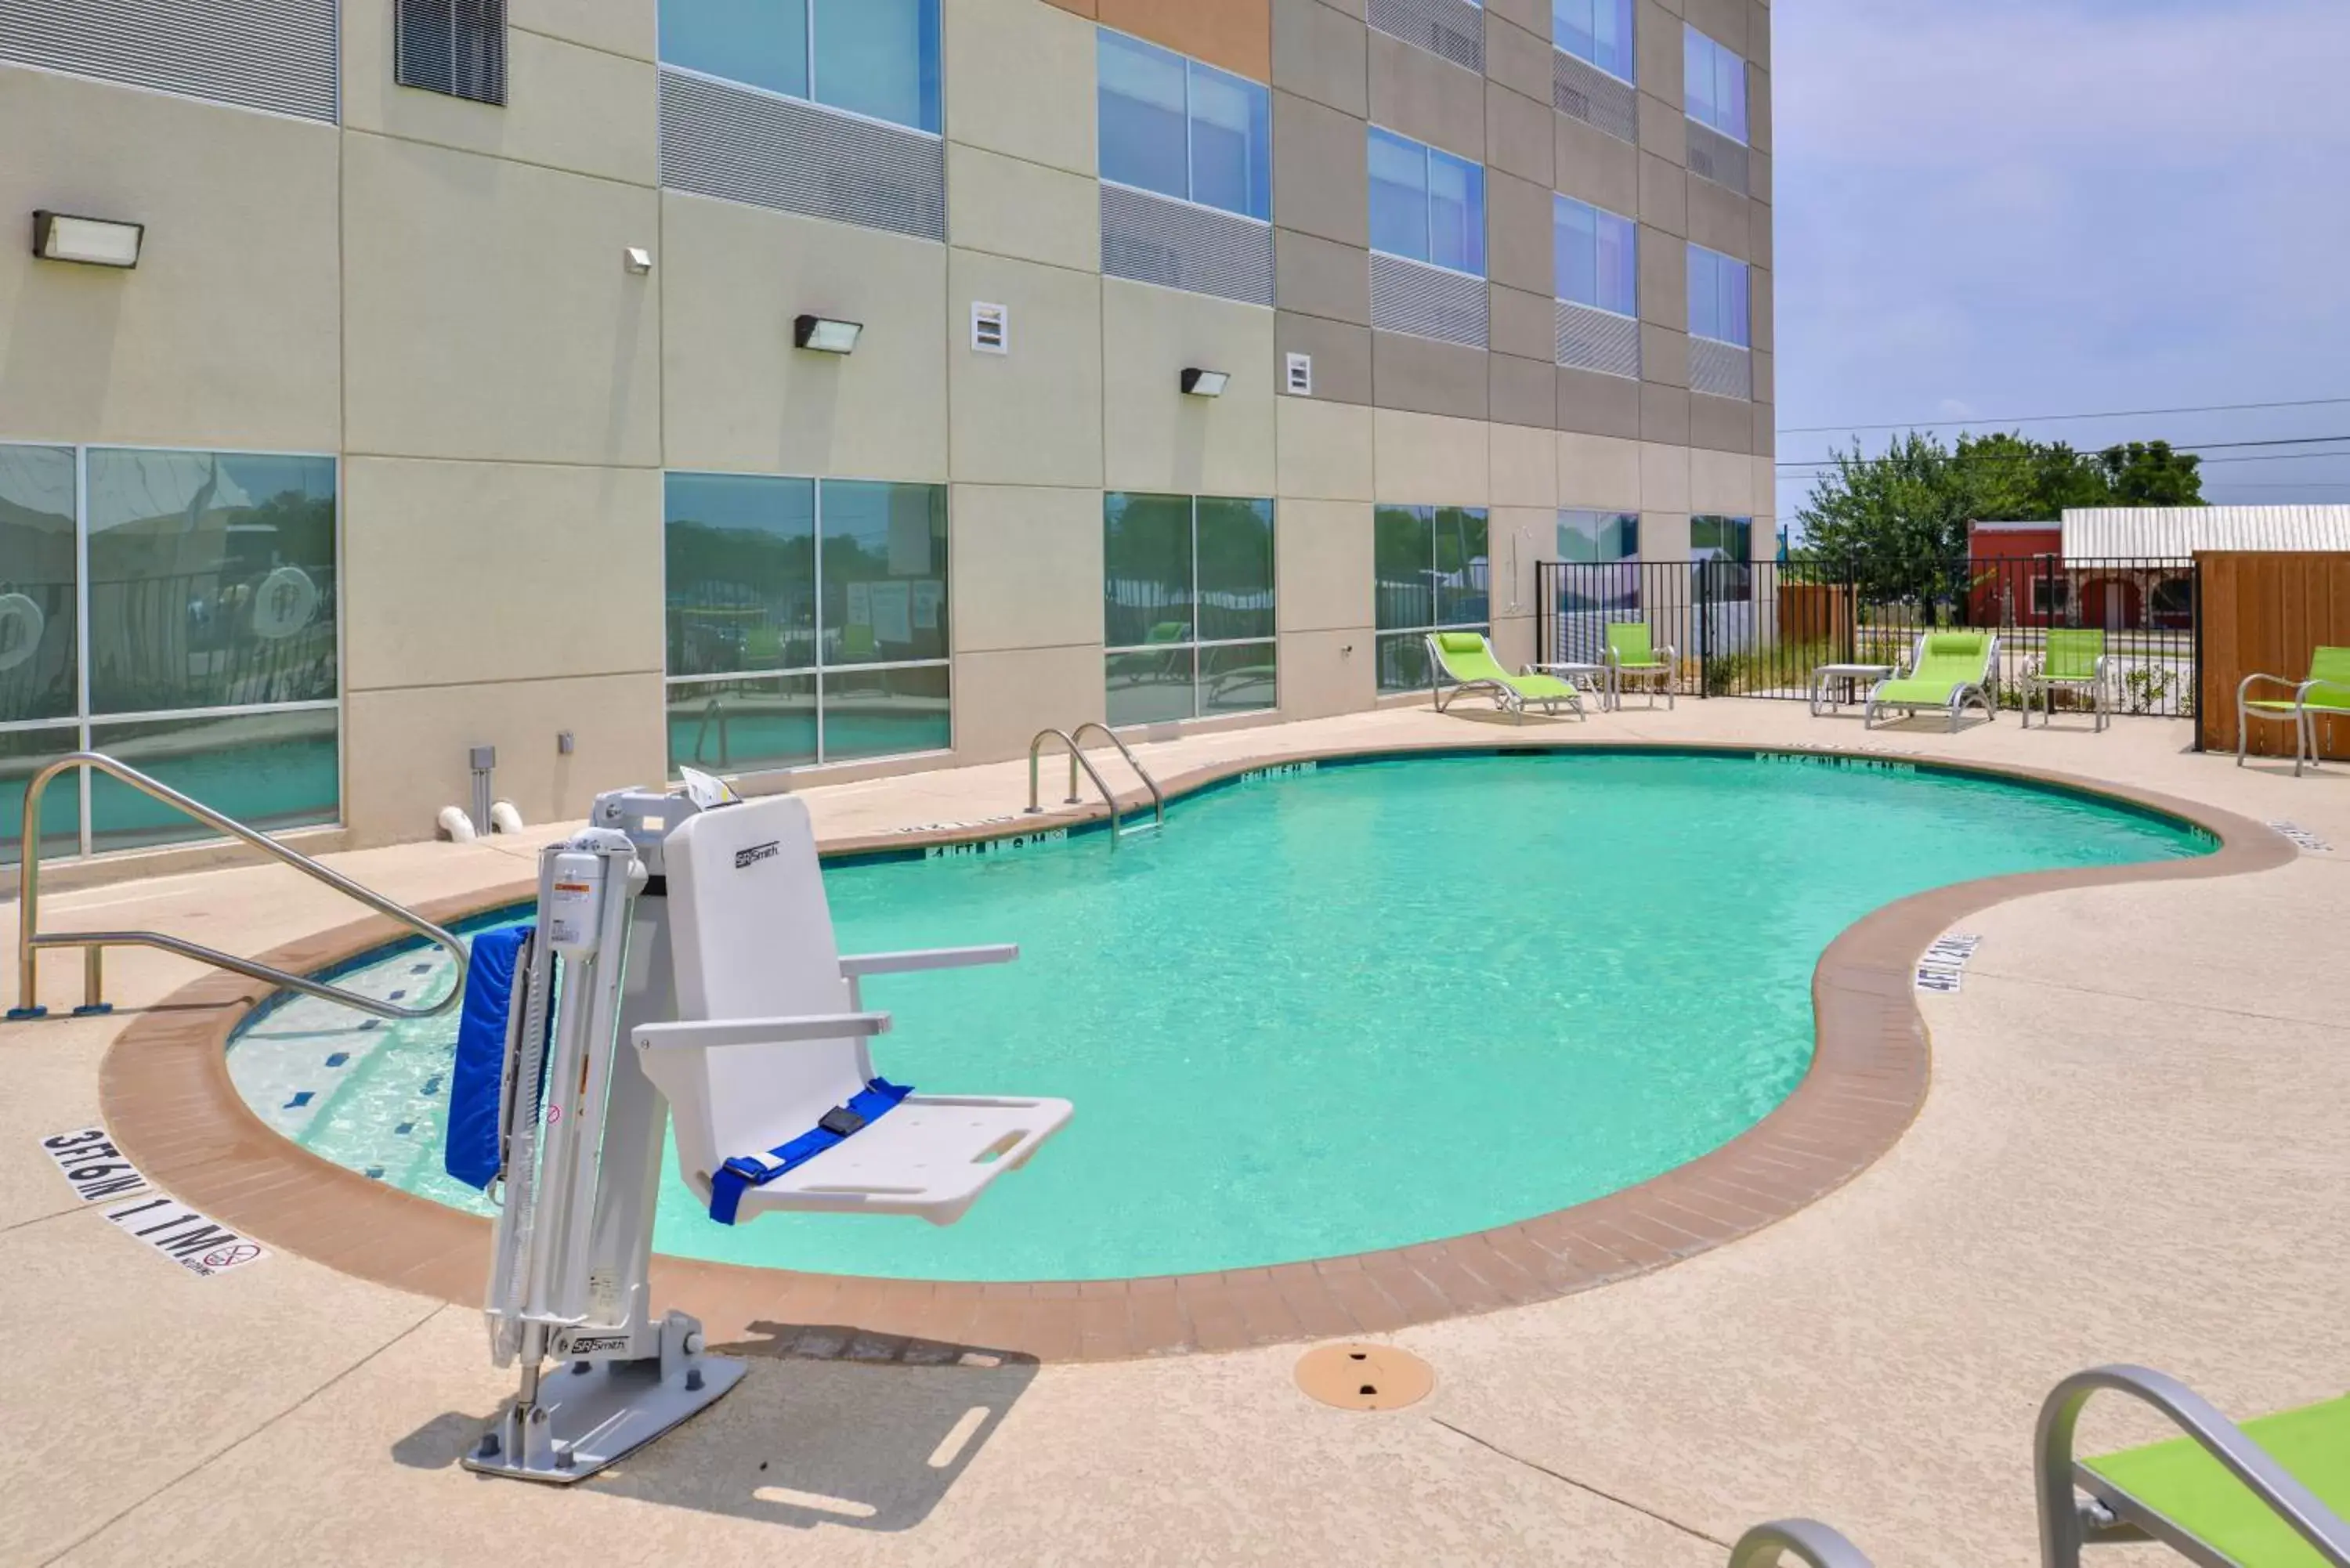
(472, 1155)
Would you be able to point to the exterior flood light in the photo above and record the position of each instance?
(826, 336)
(97, 242)
(1199, 383)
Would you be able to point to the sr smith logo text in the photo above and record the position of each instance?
(746, 859)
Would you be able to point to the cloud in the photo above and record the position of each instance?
(2038, 205)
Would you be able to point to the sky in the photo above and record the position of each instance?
(1988, 209)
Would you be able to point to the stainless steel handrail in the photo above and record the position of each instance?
(30, 939)
(1077, 759)
(1158, 796)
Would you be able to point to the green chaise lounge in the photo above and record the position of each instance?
(2268, 1494)
(1631, 658)
(2324, 695)
(1466, 658)
(2076, 661)
(1948, 670)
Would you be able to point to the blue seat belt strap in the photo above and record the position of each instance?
(742, 1172)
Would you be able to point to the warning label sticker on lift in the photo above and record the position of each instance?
(203, 1247)
(93, 1166)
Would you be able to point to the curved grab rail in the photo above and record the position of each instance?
(1077, 759)
(1158, 796)
(1817, 1544)
(31, 939)
(2062, 1528)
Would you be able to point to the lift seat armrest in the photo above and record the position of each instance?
(929, 958)
(711, 1033)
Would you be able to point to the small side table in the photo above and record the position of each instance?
(1824, 676)
(1601, 678)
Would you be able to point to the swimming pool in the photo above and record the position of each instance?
(1329, 1011)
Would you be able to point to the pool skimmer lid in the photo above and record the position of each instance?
(1354, 1376)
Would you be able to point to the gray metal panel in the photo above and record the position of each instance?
(1427, 301)
(1592, 95)
(1599, 340)
(2176, 533)
(278, 55)
(743, 146)
(1724, 370)
(1713, 156)
(1450, 29)
(1180, 245)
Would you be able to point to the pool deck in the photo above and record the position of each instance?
(2128, 1151)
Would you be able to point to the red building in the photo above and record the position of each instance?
(2023, 578)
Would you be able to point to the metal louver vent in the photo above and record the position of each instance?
(1427, 301)
(1724, 370)
(721, 140)
(274, 55)
(1453, 29)
(1715, 157)
(1180, 245)
(1594, 97)
(1599, 340)
(454, 47)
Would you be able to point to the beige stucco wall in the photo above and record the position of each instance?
(436, 291)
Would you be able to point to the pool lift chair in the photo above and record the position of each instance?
(681, 967)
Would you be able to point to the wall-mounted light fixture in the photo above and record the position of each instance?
(826, 336)
(1198, 383)
(96, 241)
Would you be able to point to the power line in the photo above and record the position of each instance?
(1830, 462)
(2044, 419)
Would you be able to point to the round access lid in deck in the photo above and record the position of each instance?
(1365, 1377)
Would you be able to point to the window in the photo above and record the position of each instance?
(873, 57)
(1598, 31)
(1426, 205)
(1598, 256)
(1722, 548)
(453, 46)
(1184, 129)
(1430, 569)
(199, 643)
(1187, 606)
(1599, 537)
(1717, 298)
(1714, 82)
(2050, 596)
(807, 620)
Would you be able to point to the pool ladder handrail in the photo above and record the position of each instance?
(31, 939)
(1077, 759)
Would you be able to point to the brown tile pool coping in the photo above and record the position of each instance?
(166, 1092)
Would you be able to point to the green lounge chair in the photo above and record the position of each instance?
(1631, 658)
(2324, 695)
(1807, 1541)
(1466, 658)
(1948, 670)
(2268, 1494)
(2076, 661)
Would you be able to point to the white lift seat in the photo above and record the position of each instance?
(771, 1036)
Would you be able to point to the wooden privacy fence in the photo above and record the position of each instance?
(2264, 611)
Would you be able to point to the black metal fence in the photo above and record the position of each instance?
(1764, 629)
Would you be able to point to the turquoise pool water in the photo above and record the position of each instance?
(1341, 1009)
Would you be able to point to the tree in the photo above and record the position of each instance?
(1897, 521)
(2150, 474)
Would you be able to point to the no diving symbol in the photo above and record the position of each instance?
(230, 1257)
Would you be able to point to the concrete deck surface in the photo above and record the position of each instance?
(2130, 1152)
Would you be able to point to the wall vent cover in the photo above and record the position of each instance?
(990, 328)
(1299, 372)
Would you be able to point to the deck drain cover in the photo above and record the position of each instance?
(1365, 1377)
